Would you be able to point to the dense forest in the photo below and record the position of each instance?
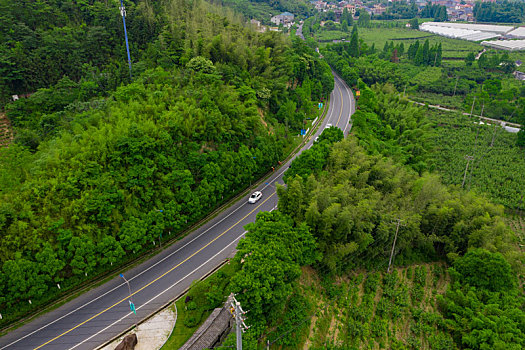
(41, 42)
(504, 11)
(338, 213)
(100, 172)
(346, 202)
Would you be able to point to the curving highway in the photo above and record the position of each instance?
(103, 313)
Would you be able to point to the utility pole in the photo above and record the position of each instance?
(455, 87)
(482, 109)
(393, 245)
(468, 158)
(238, 314)
(472, 108)
(123, 14)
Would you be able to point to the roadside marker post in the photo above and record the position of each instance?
(132, 307)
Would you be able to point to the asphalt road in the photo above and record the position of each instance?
(99, 315)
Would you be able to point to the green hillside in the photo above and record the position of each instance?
(377, 310)
(102, 169)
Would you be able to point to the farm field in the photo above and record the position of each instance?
(376, 310)
(497, 171)
(330, 35)
(454, 102)
(452, 48)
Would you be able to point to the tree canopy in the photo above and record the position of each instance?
(99, 173)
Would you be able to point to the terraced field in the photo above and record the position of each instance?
(380, 310)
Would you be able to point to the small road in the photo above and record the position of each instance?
(99, 315)
(299, 31)
(508, 126)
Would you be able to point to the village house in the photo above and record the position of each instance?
(284, 18)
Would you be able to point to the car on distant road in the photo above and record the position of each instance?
(328, 125)
(255, 197)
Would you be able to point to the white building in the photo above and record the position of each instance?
(284, 18)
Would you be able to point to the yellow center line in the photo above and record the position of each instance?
(156, 279)
(341, 112)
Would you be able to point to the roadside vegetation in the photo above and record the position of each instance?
(345, 211)
(460, 258)
(97, 177)
(197, 304)
(388, 123)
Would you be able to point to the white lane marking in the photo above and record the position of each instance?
(160, 261)
(122, 284)
(350, 101)
(158, 295)
(347, 89)
(331, 105)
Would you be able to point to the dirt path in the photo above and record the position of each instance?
(6, 133)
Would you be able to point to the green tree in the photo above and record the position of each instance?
(520, 141)
(492, 86)
(425, 59)
(271, 256)
(469, 60)
(414, 23)
(201, 64)
(419, 58)
(344, 26)
(353, 49)
(364, 19)
(482, 269)
(412, 50)
(438, 56)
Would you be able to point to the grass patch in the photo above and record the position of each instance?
(329, 35)
(195, 307)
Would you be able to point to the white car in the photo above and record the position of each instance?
(328, 125)
(255, 197)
